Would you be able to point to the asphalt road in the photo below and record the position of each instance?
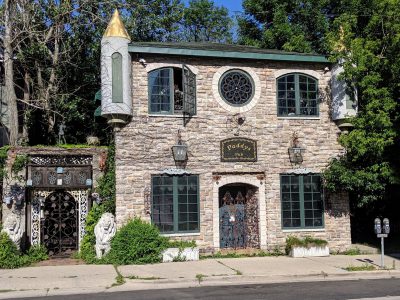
(326, 290)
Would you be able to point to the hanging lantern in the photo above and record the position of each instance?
(295, 151)
(179, 150)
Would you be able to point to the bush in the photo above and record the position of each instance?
(137, 242)
(11, 258)
(307, 242)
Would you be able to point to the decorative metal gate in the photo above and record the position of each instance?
(239, 218)
(60, 225)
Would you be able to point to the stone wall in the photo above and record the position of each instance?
(98, 162)
(143, 147)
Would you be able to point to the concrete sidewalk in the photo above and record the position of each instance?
(77, 279)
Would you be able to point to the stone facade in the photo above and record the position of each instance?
(143, 147)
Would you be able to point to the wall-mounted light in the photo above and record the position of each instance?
(179, 150)
(295, 151)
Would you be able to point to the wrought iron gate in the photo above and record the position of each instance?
(239, 219)
(60, 225)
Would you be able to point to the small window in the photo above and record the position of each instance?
(175, 203)
(297, 95)
(302, 203)
(116, 77)
(171, 91)
(236, 87)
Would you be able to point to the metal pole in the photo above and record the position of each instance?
(382, 253)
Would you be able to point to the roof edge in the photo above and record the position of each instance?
(133, 48)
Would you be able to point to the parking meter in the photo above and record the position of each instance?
(386, 227)
(378, 226)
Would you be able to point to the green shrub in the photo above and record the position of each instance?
(88, 252)
(137, 242)
(182, 244)
(9, 255)
(11, 258)
(306, 242)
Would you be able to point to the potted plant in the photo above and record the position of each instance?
(307, 246)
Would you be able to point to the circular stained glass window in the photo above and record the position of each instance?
(236, 87)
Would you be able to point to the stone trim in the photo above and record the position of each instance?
(154, 66)
(236, 109)
(312, 73)
(247, 179)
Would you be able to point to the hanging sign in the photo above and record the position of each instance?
(238, 150)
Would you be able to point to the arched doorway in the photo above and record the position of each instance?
(60, 224)
(239, 216)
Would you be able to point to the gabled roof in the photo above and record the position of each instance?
(223, 51)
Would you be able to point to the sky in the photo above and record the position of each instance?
(232, 5)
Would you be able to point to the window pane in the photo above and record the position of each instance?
(160, 91)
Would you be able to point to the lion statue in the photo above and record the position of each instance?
(104, 230)
(12, 226)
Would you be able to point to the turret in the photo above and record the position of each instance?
(116, 99)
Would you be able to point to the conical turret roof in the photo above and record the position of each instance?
(116, 27)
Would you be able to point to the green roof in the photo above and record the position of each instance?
(223, 51)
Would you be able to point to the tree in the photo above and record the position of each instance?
(367, 40)
(205, 22)
(290, 25)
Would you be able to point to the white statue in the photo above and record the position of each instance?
(12, 226)
(104, 230)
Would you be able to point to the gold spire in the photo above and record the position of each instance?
(116, 27)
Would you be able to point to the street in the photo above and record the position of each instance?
(349, 289)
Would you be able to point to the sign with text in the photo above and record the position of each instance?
(238, 150)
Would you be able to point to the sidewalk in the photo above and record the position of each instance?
(79, 279)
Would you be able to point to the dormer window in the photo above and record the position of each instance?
(297, 95)
(172, 91)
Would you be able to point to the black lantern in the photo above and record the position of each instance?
(179, 150)
(295, 151)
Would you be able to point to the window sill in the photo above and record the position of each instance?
(304, 230)
(180, 116)
(298, 118)
(181, 234)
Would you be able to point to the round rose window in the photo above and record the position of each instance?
(236, 87)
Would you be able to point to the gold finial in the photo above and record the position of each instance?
(116, 27)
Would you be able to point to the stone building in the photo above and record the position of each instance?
(224, 144)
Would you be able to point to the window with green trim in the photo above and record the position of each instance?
(297, 95)
(172, 91)
(175, 203)
(302, 203)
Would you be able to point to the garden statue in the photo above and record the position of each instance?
(104, 230)
(12, 226)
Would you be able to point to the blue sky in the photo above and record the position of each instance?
(232, 5)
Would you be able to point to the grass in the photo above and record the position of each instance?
(351, 251)
(144, 278)
(275, 252)
(236, 271)
(200, 277)
(365, 267)
(119, 280)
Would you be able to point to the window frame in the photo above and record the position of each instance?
(175, 204)
(297, 95)
(253, 88)
(185, 71)
(301, 202)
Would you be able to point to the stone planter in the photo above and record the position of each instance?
(176, 254)
(310, 251)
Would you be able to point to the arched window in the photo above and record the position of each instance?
(116, 77)
(172, 91)
(297, 95)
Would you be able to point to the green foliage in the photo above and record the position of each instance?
(352, 251)
(106, 184)
(205, 22)
(11, 258)
(137, 242)
(306, 242)
(20, 162)
(3, 160)
(182, 244)
(368, 46)
(291, 25)
(365, 267)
